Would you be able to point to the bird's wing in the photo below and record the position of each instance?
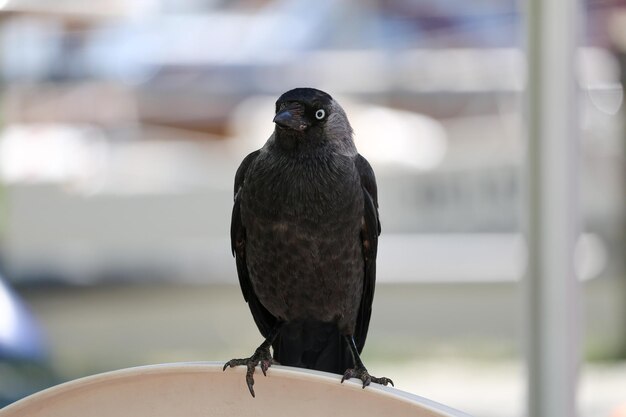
(370, 231)
(264, 320)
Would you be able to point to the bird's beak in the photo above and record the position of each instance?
(292, 117)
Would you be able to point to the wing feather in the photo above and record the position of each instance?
(369, 237)
(264, 320)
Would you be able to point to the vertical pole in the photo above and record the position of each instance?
(618, 38)
(552, 226)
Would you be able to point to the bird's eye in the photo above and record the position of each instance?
(319, 115)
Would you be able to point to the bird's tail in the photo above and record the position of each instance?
(312, 345)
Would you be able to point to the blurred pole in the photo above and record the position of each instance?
(552, 224)
(617, 33)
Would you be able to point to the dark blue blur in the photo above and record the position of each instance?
(23, 355)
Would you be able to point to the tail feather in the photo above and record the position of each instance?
(312, 345)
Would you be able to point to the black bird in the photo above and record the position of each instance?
(304, 234)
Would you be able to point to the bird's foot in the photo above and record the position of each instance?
(261, 356)
(363, 375)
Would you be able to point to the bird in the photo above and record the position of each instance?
(304, 234)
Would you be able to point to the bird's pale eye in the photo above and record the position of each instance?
(319, 115)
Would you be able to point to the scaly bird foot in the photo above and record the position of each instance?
(261, 356)
(364, 376)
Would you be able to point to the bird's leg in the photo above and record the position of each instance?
(261, 356)
(359, 370)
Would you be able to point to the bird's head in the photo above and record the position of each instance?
(306, 117)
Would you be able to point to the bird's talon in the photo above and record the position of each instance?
(250, 384)
(364, 376)
(383, 381)
(262, 356)
(233, 362)
(250, 380)
(265, 364)
(347, 375)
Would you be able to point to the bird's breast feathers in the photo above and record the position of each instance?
(312, 188)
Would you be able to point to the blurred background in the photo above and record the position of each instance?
(122, 125)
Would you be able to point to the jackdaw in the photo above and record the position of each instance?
(304, 233)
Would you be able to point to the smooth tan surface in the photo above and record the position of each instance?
(202, 389)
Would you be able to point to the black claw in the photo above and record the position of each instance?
(234, 362)
(265, 366)
(347, 375)
(250, 380)
(382, 381)
(364, 376)
(261, 356)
